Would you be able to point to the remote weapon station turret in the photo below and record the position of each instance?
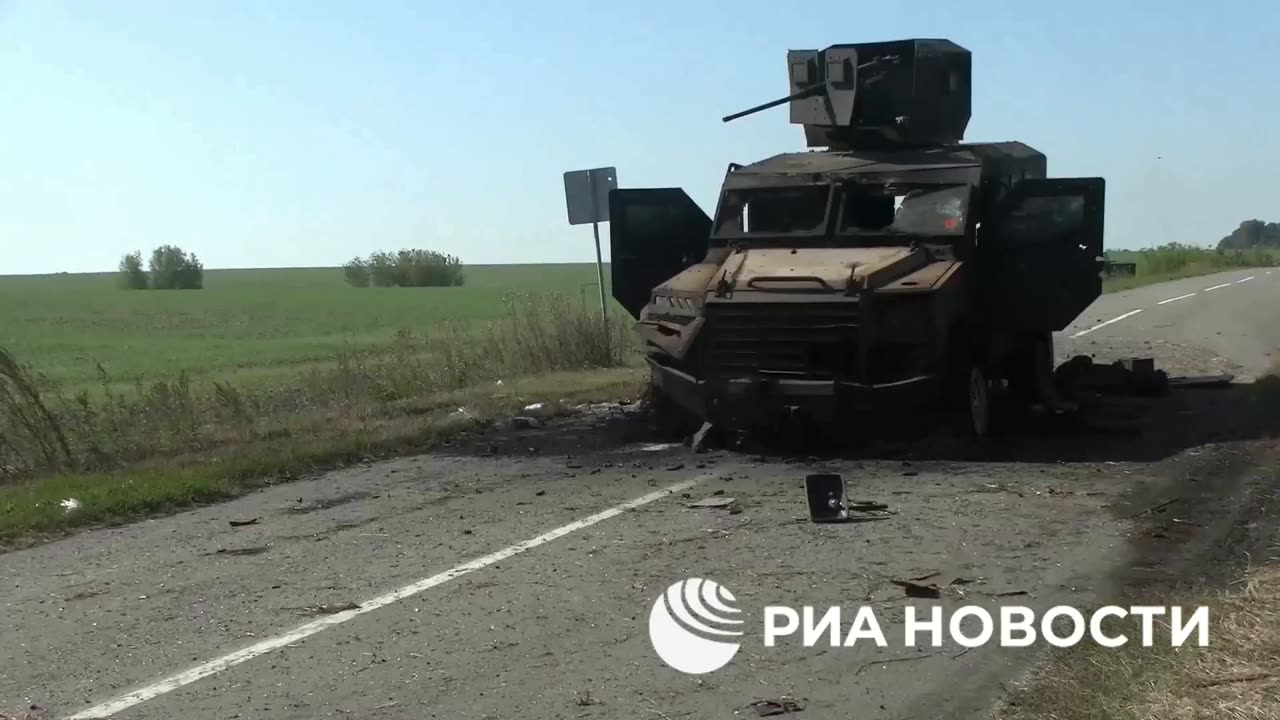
(889, 266)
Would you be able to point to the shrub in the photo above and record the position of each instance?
(406, 268)
(356, 273)
(132, 276)
(382, 269)
(427, 268)
(173, 269)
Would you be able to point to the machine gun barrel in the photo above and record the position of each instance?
(808, 92)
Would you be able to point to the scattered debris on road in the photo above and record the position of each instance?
(243, 523)
(244, 551)
(1158, 507)
(712, 502)
(328, 608)
(70, 505)
(886, 661)
(782, 706)
(35, 712)
(929, 586)
(1131, 376)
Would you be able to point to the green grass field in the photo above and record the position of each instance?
(249, 326)
(261, 327)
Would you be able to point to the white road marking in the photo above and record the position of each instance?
(1215, 287)
(212, 667)
(1246, 279)
(1180, 297)
(1131, 313)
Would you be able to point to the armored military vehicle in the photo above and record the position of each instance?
(890, 266)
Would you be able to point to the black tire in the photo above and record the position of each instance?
(1033, 357)
(981, 398)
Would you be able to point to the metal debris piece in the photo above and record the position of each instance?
(699, 443)
(523, 421)
(1131, 376)
(242, 523)
(712, 502)
(256, 550)
(781, 706)
(930, 585)
(328, 608)
(825, 493)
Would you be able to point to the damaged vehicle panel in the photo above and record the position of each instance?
(893, 267)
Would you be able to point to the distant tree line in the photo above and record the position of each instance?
(1252, 234)
(406, 268)
(171, 268)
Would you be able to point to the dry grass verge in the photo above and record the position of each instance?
(1237, 677)
(33, 508)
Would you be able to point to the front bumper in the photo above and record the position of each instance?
(764, 400)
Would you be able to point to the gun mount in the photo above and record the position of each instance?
(884, 95)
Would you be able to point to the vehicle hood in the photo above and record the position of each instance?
(793, 270)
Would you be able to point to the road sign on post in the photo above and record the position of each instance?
(586, 196)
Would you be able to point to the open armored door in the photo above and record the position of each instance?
(654, 233)
(1040, 253)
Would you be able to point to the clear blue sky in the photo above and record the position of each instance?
(295, 133)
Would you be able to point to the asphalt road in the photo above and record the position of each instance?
(518, 583)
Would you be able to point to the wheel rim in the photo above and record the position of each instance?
(979, 402)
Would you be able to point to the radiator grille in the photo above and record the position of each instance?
(808, 340)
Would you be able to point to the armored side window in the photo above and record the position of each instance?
(1043, 219)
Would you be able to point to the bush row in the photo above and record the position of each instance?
(406, 268)
(171, 269)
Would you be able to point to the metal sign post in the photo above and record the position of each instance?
(586, 195)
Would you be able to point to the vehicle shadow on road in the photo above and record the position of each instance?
(1107, 429)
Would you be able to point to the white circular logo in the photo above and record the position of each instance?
(691, 626)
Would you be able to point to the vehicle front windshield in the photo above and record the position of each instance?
(795, 210)
(920, 210)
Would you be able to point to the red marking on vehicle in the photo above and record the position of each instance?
(950, 223)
